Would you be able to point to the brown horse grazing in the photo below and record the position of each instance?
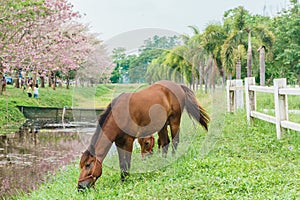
(147, 144)
(138, 114)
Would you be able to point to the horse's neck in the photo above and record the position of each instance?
(102, 140)
(102, 147)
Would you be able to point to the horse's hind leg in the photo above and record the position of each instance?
(164, 140)
(124, 152)
(175, 127)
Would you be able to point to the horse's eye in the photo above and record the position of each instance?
(87, 165)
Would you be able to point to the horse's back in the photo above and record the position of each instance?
(165, 93)
(148, 110)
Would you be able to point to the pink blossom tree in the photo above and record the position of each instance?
(14, 18)
(97, 67)
(42, 37)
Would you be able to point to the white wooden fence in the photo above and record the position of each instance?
(280, 92)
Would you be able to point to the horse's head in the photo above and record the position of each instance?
(147, 144)
(91, 170)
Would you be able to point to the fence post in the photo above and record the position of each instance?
(63, 116)
(281, 105)
(230, 96)
(239, 94)
(250, 98)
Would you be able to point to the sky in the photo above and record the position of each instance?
(113, 19)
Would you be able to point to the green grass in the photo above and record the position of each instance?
(265, 104)
(232, 161)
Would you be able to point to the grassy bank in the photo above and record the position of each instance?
(87, 97)
(231, 161)
(10, 115)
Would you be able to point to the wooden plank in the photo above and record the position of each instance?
(228, 96)
(290, 125)
(289, 91)
(239, 95)
(264, 117)
(250, 97)
(234, 88)
(281, 105)
(261, 89)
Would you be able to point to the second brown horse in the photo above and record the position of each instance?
(138, 114)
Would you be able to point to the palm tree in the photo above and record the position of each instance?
(243, 25)
(267, 40)
(231, 52)
(176, 59)
(249, 53)
(239, 53)
(213, 38)
(262, 65)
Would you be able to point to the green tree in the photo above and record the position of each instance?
(286, 27)
(121, 64)
(235, 21)
(152, 49)
(244, 27)
(213, 38)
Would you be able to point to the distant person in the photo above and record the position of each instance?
(36, 91)
(23, 85)
(29, 91)
(3, 84)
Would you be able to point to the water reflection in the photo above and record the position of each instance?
(27, 156)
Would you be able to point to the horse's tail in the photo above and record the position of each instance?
(194, 108)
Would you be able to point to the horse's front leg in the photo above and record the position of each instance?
(124, 152)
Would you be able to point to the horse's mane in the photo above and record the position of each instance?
(103, 116)
(101, 120)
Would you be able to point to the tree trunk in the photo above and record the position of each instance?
(68, 82)
(60, 83)
(193, 80)
(18, 85)
(262, 65)
(201, 69)
(42, 81)
(223, 76)
(229, 76)
(206, 82)
(238, 69)
(50, 79)
(214, 72)
(54, 82)
(249, 55)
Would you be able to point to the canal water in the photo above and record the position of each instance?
(27, 157)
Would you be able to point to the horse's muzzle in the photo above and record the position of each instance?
(83, 185)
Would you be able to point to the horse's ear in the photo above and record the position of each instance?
(84, 157)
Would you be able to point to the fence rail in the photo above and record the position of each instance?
(280, 92)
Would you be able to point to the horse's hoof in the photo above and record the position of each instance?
(124, 175)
